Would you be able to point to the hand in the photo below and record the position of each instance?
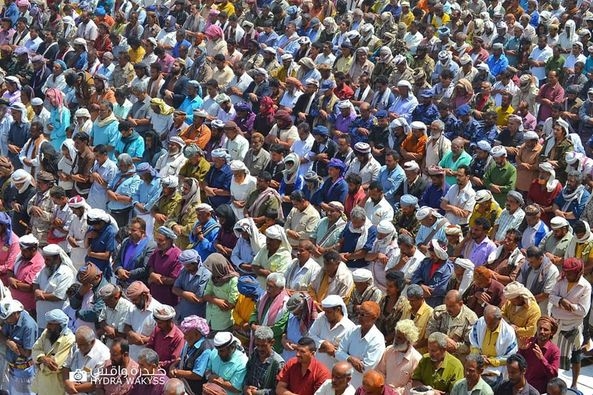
(451, 345)
(58, 223)
(160, 217)
(123, 274)
(98, 179)
(222, 304)
(155, 278)
(135, 338)
(14, 149)
(538, 351)
(13, 346)
(36, 211)
(356, 364)
(112, 196)
(565, 304)
(329, 347)
(72, 241)
(495, 188)
(382, 258)
(70, 387)
(12, 282)
(109, 331)
(27, 161)
(427, 290)
(190, 297)
(39, 295)
(16, 206)
(51, 364)
(483, 296)
(250, 390)
(93, 234)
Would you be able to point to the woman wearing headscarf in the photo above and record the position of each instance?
(302, 313)
(59, 117)
(384, 254)
(291, 180)
(215, 43)
(242, 184)
(121, 189)
(556, 147)
(183, 223)
(21, 191)
(221, 293)
(10, 249)
(225, 239)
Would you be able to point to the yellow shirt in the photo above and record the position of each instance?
(243, 309)
(420, 319)
(525, 318)
(137, 55)
(489, 346)
(502, 116)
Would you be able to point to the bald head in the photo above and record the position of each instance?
(453, 302)
(341, 376)
(343, 368)
(492, 316)
(174, 387)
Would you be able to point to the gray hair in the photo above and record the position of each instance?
(149, 356)
(439, 338)
(139, 86)
(278, 279)
(174, 387)
(494, 310)
(415, 291)
(438, 123)
(86, 333)
(406, 240)
(576, 174)
(558, 383)
(477, 358)
(264, 333)
(358, 213)
(126, 159)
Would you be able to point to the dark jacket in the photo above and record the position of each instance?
(139, 265)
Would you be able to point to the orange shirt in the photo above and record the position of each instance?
(414, 146)
(198, 136)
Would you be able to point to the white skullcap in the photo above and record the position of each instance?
(423, 212)
(453, 230)
(274, 232)
(546, 166)
(204, 207)
(572, 157)
(404, 83)
(385, 227)
(484, 146)
(362, 275)
(10, 307)
(98, 214)
(418, 125)
(223, 339)
(464, 263)
(238, 165)
(530, 135)
(558, 222)
(51, 250)
(483, 195)
(334, 301)
(170, 181)
(28, 241)
(411, 166)
(164, 313)
(439, 251)
(498, 151)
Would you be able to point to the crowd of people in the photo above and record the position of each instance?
(305, 197)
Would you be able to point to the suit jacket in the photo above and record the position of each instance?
(139, 266)
(179, 89)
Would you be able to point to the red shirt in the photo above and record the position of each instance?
(167, 346)
(540, 372)
(305, 384)
(354, 200)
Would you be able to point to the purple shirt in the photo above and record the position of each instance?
(132, 250)
(539, 372)
(166, 264)
(343, 124)
(479, 253)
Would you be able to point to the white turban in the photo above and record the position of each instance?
(439, 251)
(385, 227)
(334, 301)
(362, 275)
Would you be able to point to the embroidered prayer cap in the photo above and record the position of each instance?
(223, 339)
(498, 151)
(558, 223)
(483, 196)
(167, 232)
(164, 313)
(10, 307)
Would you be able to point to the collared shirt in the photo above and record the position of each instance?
(168, 346)
(92, 363)
(141, 322)
(56, 283)
(398, 367)
(404, 106)
(115, 317)
(368, 348)
(579, 296)
(118, 380)
(304, 222)
(432, 196)
(524, 318)
(540, 371)
(195, 283)
(481, 388)
(464, 199)
(98, 193)
(23, 333)
(506, 221)
(26, 272)
(165, 264)
(443, 378)
(233, 370)
(220, 319)
(533, 235)
(259, 372)
(420, 318)
(369, 172)
(479, 253)
(327, 389)
(509, 388)
(377, 212)
(457, 327)
(505, 177)
(299, 277)
(304, 384)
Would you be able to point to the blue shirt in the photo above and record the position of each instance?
(188, 106)
(219, 179)
(107, 135)
(433, 195)
(97, 194)
(201, 362)
(426, 113)
(134, 148)
(350, 241)
(195, 284)
(391, 180)
(127, 187)
(12, 12)
(206, 246)
(148, 194)
(60, 120)
(175, 49)
(438, 281)
(332, 192)
(485, 133)
(23, 333)
(497, 66)
(359, 122)
(233, 370)
(576, 206)
(104, 242)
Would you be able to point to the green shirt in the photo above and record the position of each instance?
(505, 177)
(218, 319)
(442, 379)
(482, 388)
(448, 162)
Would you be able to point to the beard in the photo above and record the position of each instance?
(400, 347)
(53, 336)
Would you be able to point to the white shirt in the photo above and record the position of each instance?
(298, 278)
(369, 349)
(237, 147)
(302, 149)
(142, 323)
(327, 389)
(369, 173)
(242, 84)
(226, 116)
(571, 60)
(378, 212)
(412, 264)
(412, 41)
(91, 363)
(464, 199)
(540, 55)
(88, 31)
(320, 332)
(323, 59)
(116, 318)
(170, 165)
(56, 284)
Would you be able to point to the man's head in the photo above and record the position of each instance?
(120, 352)
(437, 346)
(85, 339)
(148, 362)
(275, 283)
(516, 367)
(373, 382)
(331, 262)
(415, 296)
(492, 317)
(557, 386)
(480, 229)
(341, 375)
(305, 350)
(57, 321)
(474, 366)
(264, 341)
(406, 334)
(546, 329)
(453, 302)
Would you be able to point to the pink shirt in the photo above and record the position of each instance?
(167, 346)
(8, 254)
(26, 272)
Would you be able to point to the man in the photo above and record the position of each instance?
(303, 268)
(227, 366)
(50, 352)
(302, 220)
(257, 158)
(52, 282)
(191, 284)
(120, 372)
(539, 276)
(329, 328)
(163, 267)
(139, 322)
(112, 316)
(500, 179)
(571, 202)
(41, 208)
(511, 217)
(364, 164)
(263, 199)
(335, 278)
(357, 239)
(263, 365)
(571, 300)
(516, 368)
(218, 179)
(508, 259)
(19, 332)
(171, 163)
(473, 382)
(236, 145)
(373, 383)
(401, 358)
(166, 338)
(32, 154)
(555, 243)
(363, 346)
(536, 229)
(89, 355)
(410, 258)
(339, 384)
(152, 378)
(131, 261)
(102, 172)
(91, 281)
(506, 344)
(455, 320)
(541, 354)
(356, 194)
(25, 269)
(460, 199)
(391, 177)
(432, 226)
(291, 379)
(520, 309)
(271, 308)
(477, 246)
(83, 168)
(437, 189)
(434, 273)
(377, 208)
(100, 240)
(438, 369)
